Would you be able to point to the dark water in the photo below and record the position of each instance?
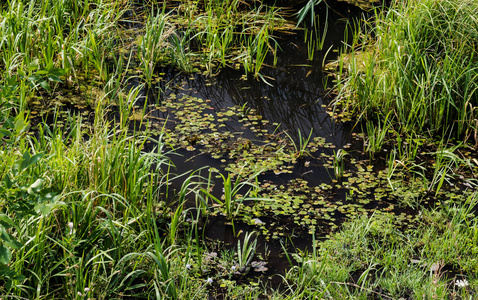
(295, 97)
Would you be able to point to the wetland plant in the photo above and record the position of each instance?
(339, 163)
(214, 34)
(314, 38)
(383, 258)
(309, 7)
(301, 146)
(154, 44)
(232, 200)
(446, 161)
(418, 65)
(376, 134)
(304, 279)
(246, 251)
(256, 49)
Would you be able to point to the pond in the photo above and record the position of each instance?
(212, 149)
(279, 130)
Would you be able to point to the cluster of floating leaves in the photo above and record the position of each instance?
(194, 125)
(246, 144)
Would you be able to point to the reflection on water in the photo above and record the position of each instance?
(296, 99)
(294, 96)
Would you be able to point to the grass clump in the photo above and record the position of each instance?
(43, 41)
(420, 62)
(82, 214)
(211, 36)
(369, 258)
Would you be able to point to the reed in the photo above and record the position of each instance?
(300, 146)
(418, 60)
(213, 30)
(339, 163)
(154, 44)
(314, 37)
(66, 41)
(376, 135)
(232, 200)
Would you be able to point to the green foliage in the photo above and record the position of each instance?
(217, 34)
(339, 164)
(300, 148)
(309, 8)
(369, 257)
(232, 199)
(71, 219)
(154, 44)
(246, 251)
(23, 195)
(418, 65)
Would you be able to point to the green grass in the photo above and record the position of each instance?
(371, 258)
(419, 62)
(213, 35)
(232, 198)
(86, 213)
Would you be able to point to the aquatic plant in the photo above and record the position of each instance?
(446, 162)
(309, 7)
(301, 146)
(154, 44)
(232, 200)
(32, 34)
(256, 47)
(314, 37)
(419, 62)
(246, 251)
(226, 33)
(376, 134)
(339, 164)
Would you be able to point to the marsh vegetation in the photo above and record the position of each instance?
(200, 149)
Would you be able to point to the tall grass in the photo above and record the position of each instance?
(418, 61)
(153, 44)
(214, 35)
(45, 40)
(81, 216)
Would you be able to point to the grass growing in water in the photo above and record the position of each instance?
(212, 35)
(419, 61)
(81, 209)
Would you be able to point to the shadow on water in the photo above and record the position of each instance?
(295, 97)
